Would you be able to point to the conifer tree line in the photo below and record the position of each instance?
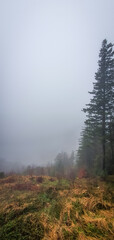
(96, 146)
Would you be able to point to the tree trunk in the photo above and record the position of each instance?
(104, 155)
(103, 128)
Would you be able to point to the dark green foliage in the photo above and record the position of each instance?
(96, 150)
(22, 229)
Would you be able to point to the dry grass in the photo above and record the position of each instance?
(60, 210)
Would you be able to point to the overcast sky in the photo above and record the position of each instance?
(48, 57)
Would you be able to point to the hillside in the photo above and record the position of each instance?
(37, 207)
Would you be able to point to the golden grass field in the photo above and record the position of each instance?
(42, 207)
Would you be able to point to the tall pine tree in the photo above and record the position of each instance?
(100, 110)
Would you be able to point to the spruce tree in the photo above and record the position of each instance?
(100, 110)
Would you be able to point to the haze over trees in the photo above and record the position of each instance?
(56, 139)
(96, 148)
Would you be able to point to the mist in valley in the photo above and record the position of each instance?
(48, 59)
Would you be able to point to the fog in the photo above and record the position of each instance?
(48, 58)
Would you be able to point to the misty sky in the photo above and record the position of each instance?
(48, 57)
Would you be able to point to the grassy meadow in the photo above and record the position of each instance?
(42, 207)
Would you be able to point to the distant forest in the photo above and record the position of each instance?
(95, 155)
